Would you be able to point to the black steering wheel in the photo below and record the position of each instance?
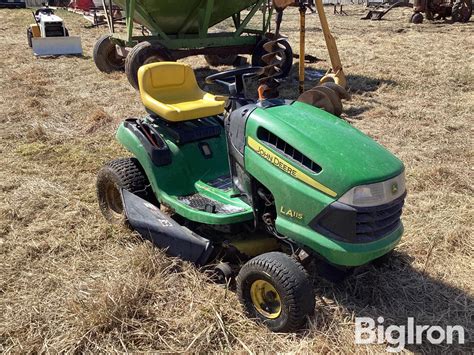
(233, 80)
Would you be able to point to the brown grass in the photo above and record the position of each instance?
(70, 282)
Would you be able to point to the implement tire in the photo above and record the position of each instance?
(276, 290)
(461, 11)
(105, 55)
(144, 53)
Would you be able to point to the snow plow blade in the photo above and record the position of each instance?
(44, 46)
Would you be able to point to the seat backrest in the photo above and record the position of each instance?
(166, 79)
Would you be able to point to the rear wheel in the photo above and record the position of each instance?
(105, 55)
(125, 173)
(144, 53)
(29, 36)
(461, 11)
(275, 289)
(287, 61)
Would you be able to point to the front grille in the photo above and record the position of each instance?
(378, 221)
(359, 224)
(54, 29)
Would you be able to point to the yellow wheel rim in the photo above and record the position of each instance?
(265, 299)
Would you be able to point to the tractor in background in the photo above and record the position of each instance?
(457, 10)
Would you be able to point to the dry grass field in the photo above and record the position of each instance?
(70, 282)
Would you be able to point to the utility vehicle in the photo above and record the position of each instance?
(255, 187)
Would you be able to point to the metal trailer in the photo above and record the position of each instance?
(173, 30)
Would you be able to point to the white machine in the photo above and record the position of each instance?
(49, 36)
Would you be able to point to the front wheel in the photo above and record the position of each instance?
(29, 36)
(125, 173)
(276, 290)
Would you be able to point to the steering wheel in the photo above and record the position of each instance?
(233, 80)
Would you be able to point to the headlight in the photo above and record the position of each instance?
(375, 194)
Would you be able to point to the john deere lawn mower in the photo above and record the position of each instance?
(252, 188)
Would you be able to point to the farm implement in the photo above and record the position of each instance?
(172, 32)
(456, 10)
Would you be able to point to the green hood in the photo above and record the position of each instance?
(347, 157)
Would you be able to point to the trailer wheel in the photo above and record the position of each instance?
(144, 53)
(125, 173)
(461, 11)
(29, 36)
(287, 63)
(416, 18)
(276, 290)
(105, 55)
(216, 60)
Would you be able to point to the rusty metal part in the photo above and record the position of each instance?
(302, 48)
(458, 10)
(283, 4)
(336, 74)
(273, 58)
(341, 92)
(377, 14)
(326, 96)
(268, 84)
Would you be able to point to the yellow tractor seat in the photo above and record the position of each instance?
(170, 90)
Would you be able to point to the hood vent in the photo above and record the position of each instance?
(287, 150)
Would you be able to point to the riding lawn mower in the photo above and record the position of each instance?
(49, 36)
(253, 189)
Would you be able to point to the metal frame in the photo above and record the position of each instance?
(203, 39)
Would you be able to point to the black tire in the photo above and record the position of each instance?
(217, 60)
(125, 173)
(461, 11)
(259, 51)
(291, 283)
(105, 55)
(416, 18)
(29, 36)
(144, 53)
